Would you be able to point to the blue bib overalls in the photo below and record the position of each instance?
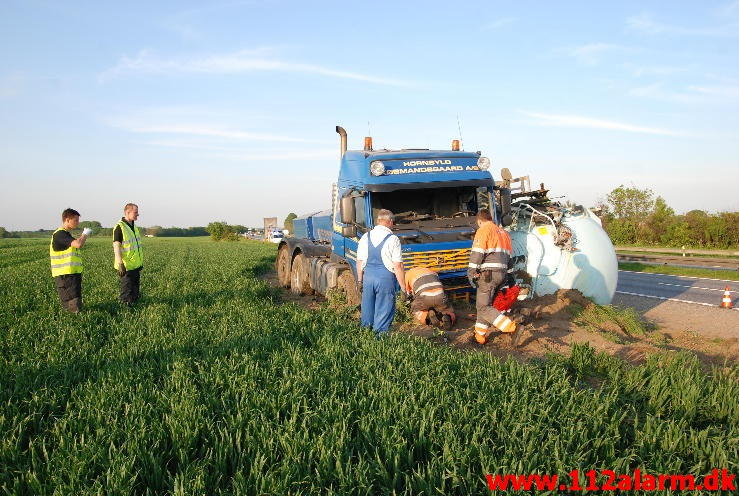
(378, 290)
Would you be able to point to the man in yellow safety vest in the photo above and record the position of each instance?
(66, 260)
(129, 258)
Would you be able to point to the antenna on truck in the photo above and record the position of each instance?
(459, 128)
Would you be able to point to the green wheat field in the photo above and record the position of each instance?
(211, 385)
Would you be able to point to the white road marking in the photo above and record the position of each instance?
(672, 299)
(694, 287)
(676, 275)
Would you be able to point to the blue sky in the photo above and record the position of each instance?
(227, 111)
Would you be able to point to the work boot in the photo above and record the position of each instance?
(446, 322)
(434, 318)
(74, 305)
(516, 336)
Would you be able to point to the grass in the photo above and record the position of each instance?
(674, 253)
(628, 320)
(211, 386)
(679, 271)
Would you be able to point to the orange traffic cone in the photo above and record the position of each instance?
(726, 301)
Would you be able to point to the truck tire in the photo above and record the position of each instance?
(282, 264)
(348, 286)
(299, 276)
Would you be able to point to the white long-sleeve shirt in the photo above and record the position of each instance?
(391, 253)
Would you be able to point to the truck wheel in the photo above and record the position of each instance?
(282, 264)
(299, 276)
(348, 286)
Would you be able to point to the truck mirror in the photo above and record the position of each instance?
(348, 215)
(349, 231)
(505, 207)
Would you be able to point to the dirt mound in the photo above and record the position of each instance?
(552, 324)
(561, 304)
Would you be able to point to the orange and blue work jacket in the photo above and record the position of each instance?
(423, 281)
(491, 249)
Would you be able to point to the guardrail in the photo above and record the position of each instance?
(704, 262)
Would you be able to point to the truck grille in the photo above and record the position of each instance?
(439, 260)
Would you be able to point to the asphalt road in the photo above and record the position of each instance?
(691, 290)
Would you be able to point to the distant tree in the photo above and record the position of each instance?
(220, 231)
(631, 203)
(153, 231)
(92, 224)
(659, 221)
(4, 233)
(289, 221)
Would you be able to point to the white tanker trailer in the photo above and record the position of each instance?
(558, 246)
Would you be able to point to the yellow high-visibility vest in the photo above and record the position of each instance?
(64, 262)
(131, 252)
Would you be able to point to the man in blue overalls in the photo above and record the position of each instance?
(379, 273)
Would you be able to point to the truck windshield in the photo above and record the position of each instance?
(433, 208)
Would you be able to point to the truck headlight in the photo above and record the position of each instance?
(377, 168)
(483, 163)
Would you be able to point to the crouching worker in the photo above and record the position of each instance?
(430, 305)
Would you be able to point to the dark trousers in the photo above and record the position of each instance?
(130, 286)
(69, 287)
(487, 286)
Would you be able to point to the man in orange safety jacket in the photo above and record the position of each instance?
(490, 260)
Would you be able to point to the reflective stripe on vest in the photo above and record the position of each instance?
(424, 282)
(131, 252)
(64, 262)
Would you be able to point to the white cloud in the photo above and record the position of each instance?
(293, 156)
(232, 154)
(499, 23)
(655, 70)
(645, 24)
(657, 91)
(232, 63)
(212, 132)
(592, 53)
(692, 94)
(561, 120)
(718, 92)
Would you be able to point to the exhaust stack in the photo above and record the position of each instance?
(342, 133)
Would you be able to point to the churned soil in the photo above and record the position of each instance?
(551, 325)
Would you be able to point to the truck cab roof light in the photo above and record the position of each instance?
(368, 143)
(455, 145)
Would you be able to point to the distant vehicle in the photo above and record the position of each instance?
(276, 237)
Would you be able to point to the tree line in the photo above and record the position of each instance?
(99, 230)
(630, 216)
(634, 216)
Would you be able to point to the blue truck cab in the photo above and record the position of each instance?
(434, 196)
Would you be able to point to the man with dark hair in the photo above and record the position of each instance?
(66, 261)
(129, 257)
(490, 258)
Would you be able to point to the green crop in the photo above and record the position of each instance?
(210, 385)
